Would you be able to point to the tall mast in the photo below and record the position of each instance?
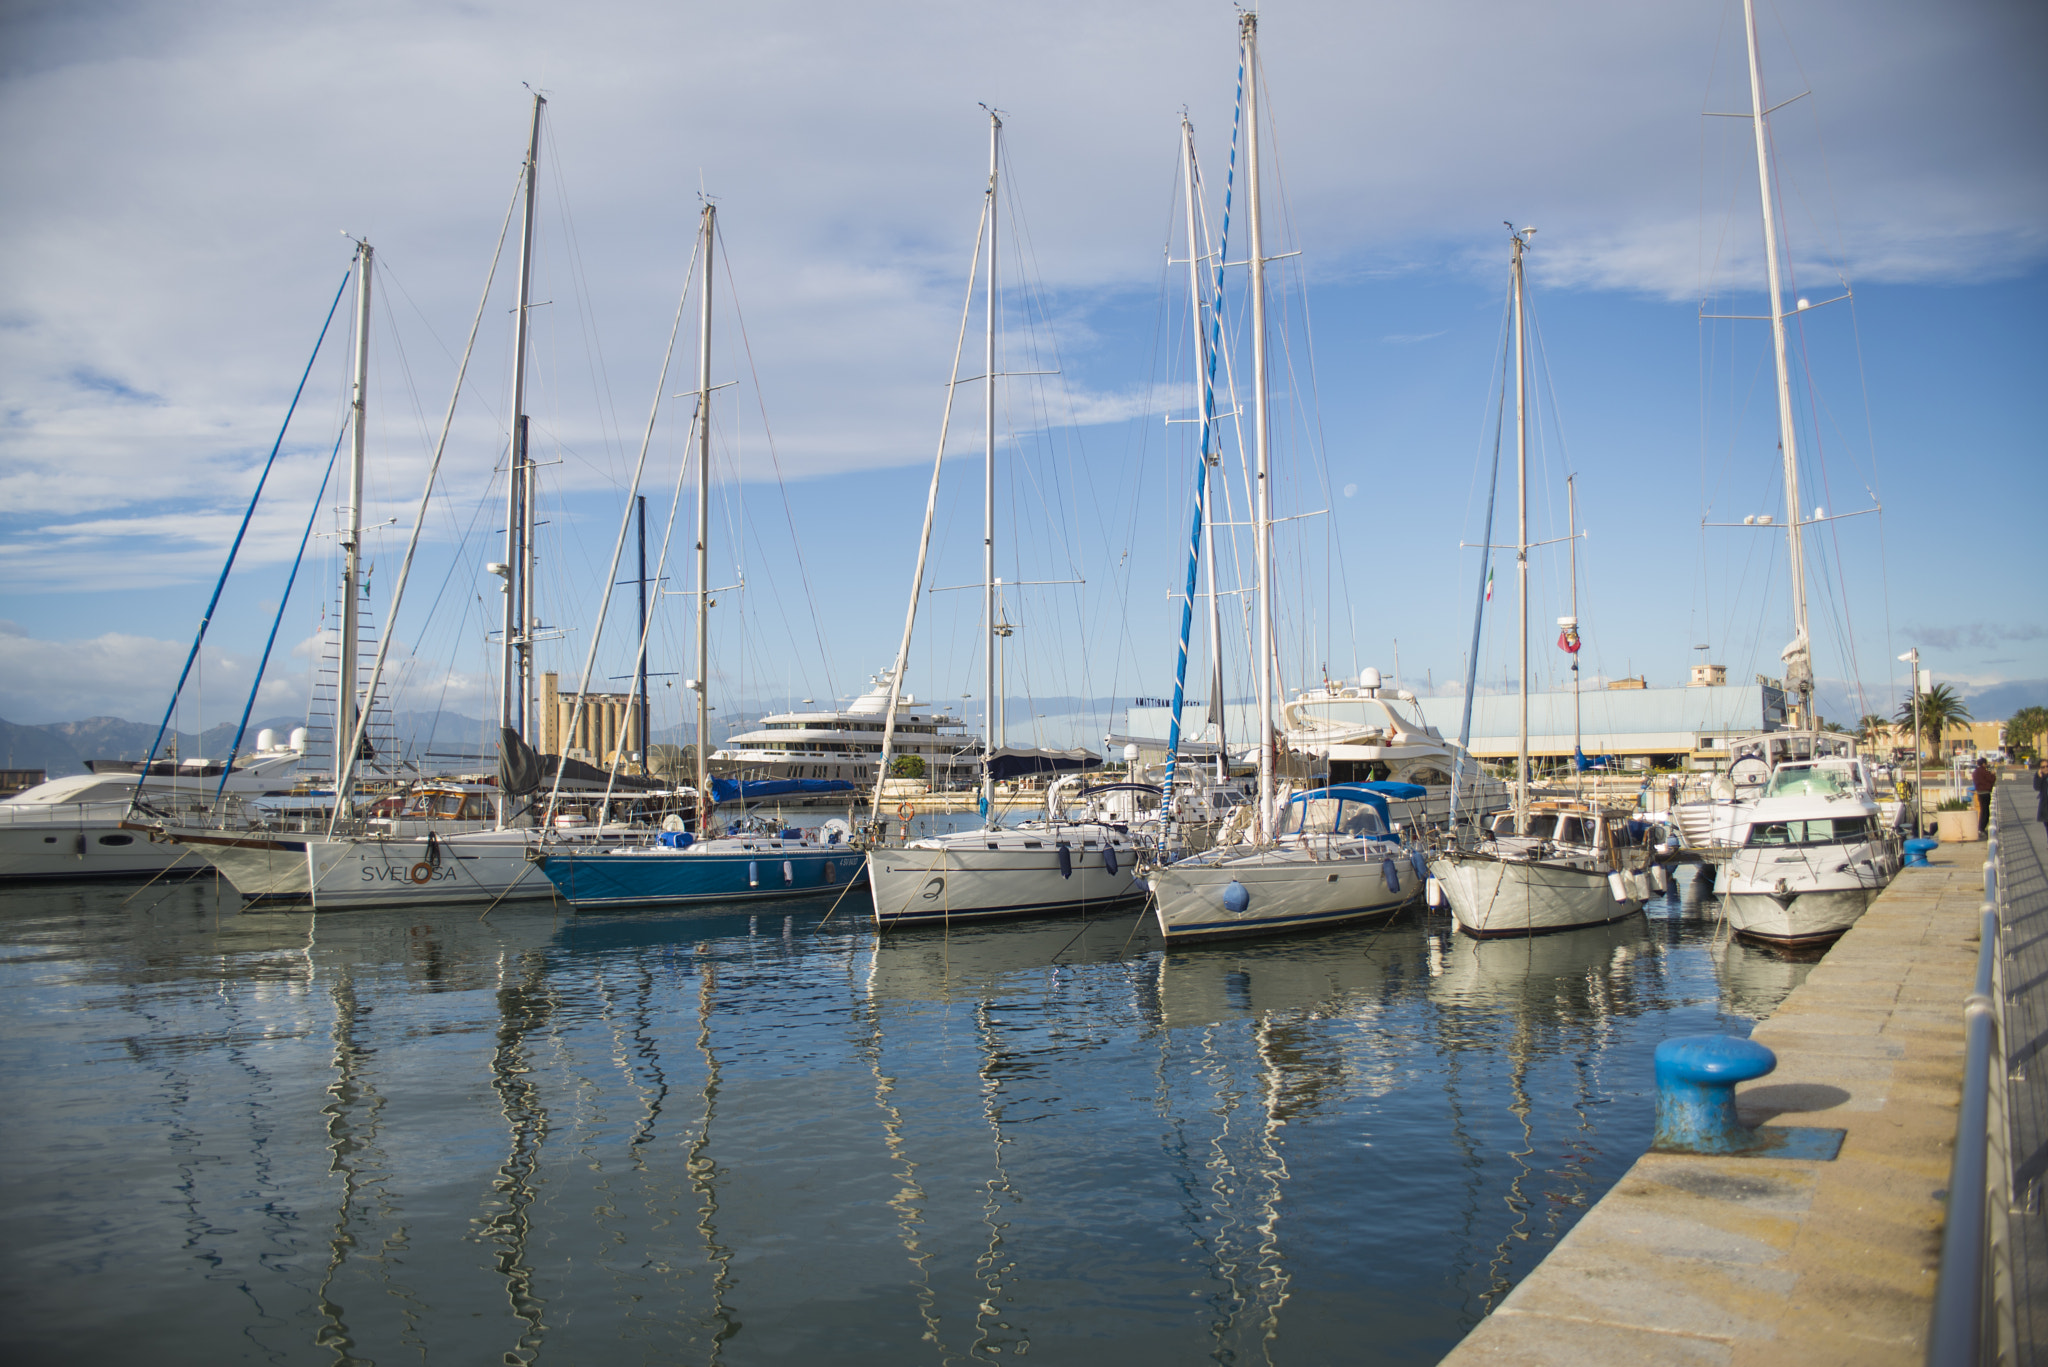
(1205, 531)
(516, 667)
(704, 528)
(640, 662)
(345, 700)
(1262, 527)
(988, 482)
(1571, 506)
(1522, 537)
(1798, 655)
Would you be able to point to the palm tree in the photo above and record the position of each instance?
(2023, 731)
(1939, 709)
(1871, 725)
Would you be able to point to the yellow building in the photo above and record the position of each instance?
(1964, 738)
(609, 723)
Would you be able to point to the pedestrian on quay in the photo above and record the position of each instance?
(2041, 788)
(1983, 780)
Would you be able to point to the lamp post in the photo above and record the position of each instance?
(1912, 658)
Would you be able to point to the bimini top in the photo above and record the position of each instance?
(1320, 811)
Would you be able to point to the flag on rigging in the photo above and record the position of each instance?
(1489, 583)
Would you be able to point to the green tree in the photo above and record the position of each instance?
(1939, 709)
(2023, 731)
(1872, 725)
(907, 766)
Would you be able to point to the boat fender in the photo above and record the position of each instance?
(1066, 861)
(1392, 873)
(1419, 864)
(1433, 893)
(753, 873)
(1617, 883)
(1236, 897)
(1109, 858)
(788, 871)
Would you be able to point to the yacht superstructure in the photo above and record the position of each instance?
(845, 744)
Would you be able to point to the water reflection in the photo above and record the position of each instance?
(751, 1137)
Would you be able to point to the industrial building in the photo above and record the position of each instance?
(1633, 725)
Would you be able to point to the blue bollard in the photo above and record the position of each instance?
(1696, 1077)
(1916, 853)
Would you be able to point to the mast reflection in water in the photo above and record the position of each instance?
(773, 1138)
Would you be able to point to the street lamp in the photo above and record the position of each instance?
(1912, 657)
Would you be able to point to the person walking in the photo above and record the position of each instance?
(1983, 780)
(2041, 788)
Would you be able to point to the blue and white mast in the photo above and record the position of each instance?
(1203, 530)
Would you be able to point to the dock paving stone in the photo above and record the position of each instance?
(1764, 1262)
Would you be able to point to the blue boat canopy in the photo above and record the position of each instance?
(1373, 795)
(748, 790)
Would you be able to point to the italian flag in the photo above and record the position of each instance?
(1489, 583)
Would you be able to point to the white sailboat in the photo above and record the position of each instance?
(1560, 865)
(428, 857)
(1812, 850)
(1329, 856)
(1038, 868)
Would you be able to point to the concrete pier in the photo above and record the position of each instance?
(1770, 1261)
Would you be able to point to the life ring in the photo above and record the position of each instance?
(422, 872)
(903, 811)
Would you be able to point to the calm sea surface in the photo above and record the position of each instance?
(775, 1137)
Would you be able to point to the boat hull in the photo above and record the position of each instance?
(923, 885)
(657, 876)
(1282, 892)
(1800, 919)
(1491, 897)
(1807, 896)
(70, 846)
(366, 874)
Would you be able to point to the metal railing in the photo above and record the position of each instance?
(1962, 1307)
(1994, 1254)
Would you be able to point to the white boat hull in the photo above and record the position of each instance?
(1278, 891)
(1804, 894)
(1516, 897)
(360, 874)
(87, 843)
(937, 883)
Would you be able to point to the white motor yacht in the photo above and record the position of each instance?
(844, 744)
(1815, 853)
(1363, 734)
(72, 827)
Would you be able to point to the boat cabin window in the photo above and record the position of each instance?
(1810, 780)
(1330, 816)
(1572, 831)
(1814, 831)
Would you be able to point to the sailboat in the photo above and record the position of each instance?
(447, 842)
(1813, 851)
(1329, 856)
(1049, 866)
(1556, 864)
(681, 867)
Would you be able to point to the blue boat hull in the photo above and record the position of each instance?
(666, 877)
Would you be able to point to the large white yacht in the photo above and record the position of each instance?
(1364, 736)
(847, 744)
(72, 827)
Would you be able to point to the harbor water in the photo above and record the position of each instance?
(772, 1136)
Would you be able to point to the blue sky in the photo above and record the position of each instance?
(172, 242)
